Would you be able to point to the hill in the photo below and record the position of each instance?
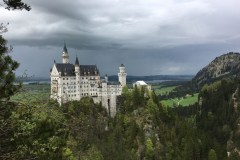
(226, 65)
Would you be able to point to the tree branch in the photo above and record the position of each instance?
(16, 5)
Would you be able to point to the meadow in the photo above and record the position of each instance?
(165, 89)
(162, 89)
(183, 101)
(33, 93)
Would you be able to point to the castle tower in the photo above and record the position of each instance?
(77, 73)
(77, 67)
(106, 77)
(122, 75)
(65, 56)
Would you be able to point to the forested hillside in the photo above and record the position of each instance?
(142, 128)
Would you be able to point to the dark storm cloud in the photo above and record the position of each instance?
(150, 37)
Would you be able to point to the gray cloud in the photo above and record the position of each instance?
(150, 37)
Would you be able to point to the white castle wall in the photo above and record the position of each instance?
(68, 88)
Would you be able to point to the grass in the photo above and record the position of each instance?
(184, 101)
(162, 89)
(33, 93)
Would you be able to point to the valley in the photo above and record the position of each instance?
(178, 119)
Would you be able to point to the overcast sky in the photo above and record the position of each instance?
(151, 37)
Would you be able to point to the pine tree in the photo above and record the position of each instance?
(7, 86)
(212, 155)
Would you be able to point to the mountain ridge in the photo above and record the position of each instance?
(226, 65)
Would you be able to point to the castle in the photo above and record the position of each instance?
(74, 81)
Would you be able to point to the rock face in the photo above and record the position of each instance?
(222, 66)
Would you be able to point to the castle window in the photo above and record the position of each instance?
(63, 78)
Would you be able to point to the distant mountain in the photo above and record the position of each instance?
(154, 78)
(130, 79)
(226, 65)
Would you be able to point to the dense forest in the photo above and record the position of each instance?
(142, 128)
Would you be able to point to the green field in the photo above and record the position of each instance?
(184, 101)
(162, 89)
(33, 93)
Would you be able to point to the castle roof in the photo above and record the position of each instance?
(89, 70)
(68, 69)
(141, 83)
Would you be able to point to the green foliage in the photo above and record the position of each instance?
(92, 154)
(149, 149)
(212, 155)
(7, 89)
(40, 132)
(234, 156)
(7, 75)
(142, 129)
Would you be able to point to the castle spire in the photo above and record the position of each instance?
(76, 62)
(65, 48)
(65, 56)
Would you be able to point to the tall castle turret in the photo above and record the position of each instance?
(122, 75)
(65, 56)
(77, 67)
(77, 73)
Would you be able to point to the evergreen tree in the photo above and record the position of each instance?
(7, 64)
(212, 155)
(7, 86)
